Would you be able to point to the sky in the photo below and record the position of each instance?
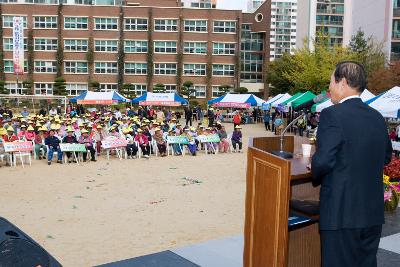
(232, 4)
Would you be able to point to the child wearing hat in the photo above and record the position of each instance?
(39, 140)
(88, 142)
(237, 139)
(54, 146)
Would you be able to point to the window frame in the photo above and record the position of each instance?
(76, 41)
(106, 47)
(165, 68)
(106, 29)
(136, 41)
(76, 67)
(224, 27)
(142, 72)
(195, 26)
(165, 47)
(76, 29)
(106, 67)
(196, 66)
(35, 23)
(136, 24)
(195, 48)
(166, 25)
(46, 45)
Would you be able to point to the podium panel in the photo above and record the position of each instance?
(267, 208)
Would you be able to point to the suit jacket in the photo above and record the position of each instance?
(352, 148)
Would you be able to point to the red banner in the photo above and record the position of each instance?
(160, 103)
(18, 146)
(232, 105)
(96, 102)
(113, 143)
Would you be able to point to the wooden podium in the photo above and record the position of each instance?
(271, 183)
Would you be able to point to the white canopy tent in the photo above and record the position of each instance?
(365, 96)
(388, 103)
(281, 100)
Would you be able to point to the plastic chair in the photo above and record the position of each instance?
(21, 156)
(55, 153)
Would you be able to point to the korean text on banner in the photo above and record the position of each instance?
(177, 140)
(18, 146)
(72, 148)
(113, 143)
(212, 138)
(18, 45)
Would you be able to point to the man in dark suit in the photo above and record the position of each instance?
(352, 148)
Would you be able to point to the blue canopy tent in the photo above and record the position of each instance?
(160, 99)
(237, 101)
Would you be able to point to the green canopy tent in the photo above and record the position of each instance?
(294, 97)
(307, 96)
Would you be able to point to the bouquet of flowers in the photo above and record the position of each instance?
(393, 169)
(391, 193)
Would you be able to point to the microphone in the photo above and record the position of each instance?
(307, 105)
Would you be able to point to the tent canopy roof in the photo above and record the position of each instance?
(307, 96)
(104, 98)
(388, 103)
(160, 99)
(237, 100)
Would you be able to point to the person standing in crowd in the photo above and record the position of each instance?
(188, 116)
(348, 164)
(54, 146)
(42, 111)
(53, 111)
(59, 110)
(25, 112)
(278, 123)
(211, 117)
(301, 125)
(267, 119)
(160, 116)
(237, 119)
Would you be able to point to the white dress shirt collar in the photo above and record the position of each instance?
(349, 97)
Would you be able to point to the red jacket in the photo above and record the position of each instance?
(142, 139)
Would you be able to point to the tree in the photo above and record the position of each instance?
(241, 90)
(28, 85)
(279, 83)
(59, 86)
(188, 89)
(384, 78)
(128, 90)
(94, 86)
(368, 52)
(224, 89)
(3, 89)
(159, 88)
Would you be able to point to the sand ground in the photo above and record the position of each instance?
(107, 211)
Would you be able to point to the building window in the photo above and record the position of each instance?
(195, 47)
(46, 44)
(43, 88)
(45, 22)
(165, 68)
(164, 47)
(136, 24)
(170, 88)
(216, 91)
(223, 70)
(140, 89)
(108, 87)
(166, 25)
(105, 67)
(224, 48)
(76, 23)
(105, 45)
(75, 45)
(195, 25)
(225, 26)
(8, 21)
(9, 66)
(45, 66)
(135, 46)
(8, 44)
(74, 89)
(135, 68)
(16, 89)
(75, 67)
(106, 23)
(194, 69)
(200, 91)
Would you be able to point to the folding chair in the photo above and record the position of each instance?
(21, 156)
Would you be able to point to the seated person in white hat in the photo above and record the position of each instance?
(143, 143)
(70, 139)
(88, 142)
(39, 142)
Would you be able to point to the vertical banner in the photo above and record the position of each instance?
(18, 45)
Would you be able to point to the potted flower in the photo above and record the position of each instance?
(391, 193)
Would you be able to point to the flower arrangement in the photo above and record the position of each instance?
(391, 193)
(393, 169)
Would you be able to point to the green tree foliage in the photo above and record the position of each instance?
(241, 90)
(3, 90)
(159, 88)
(128, 90)
(224, 89)
(188, 90)
(94, 86)
(59, 86)
(276, 69)
(28, 85)
(384, 78)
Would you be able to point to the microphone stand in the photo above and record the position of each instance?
(281, 153)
